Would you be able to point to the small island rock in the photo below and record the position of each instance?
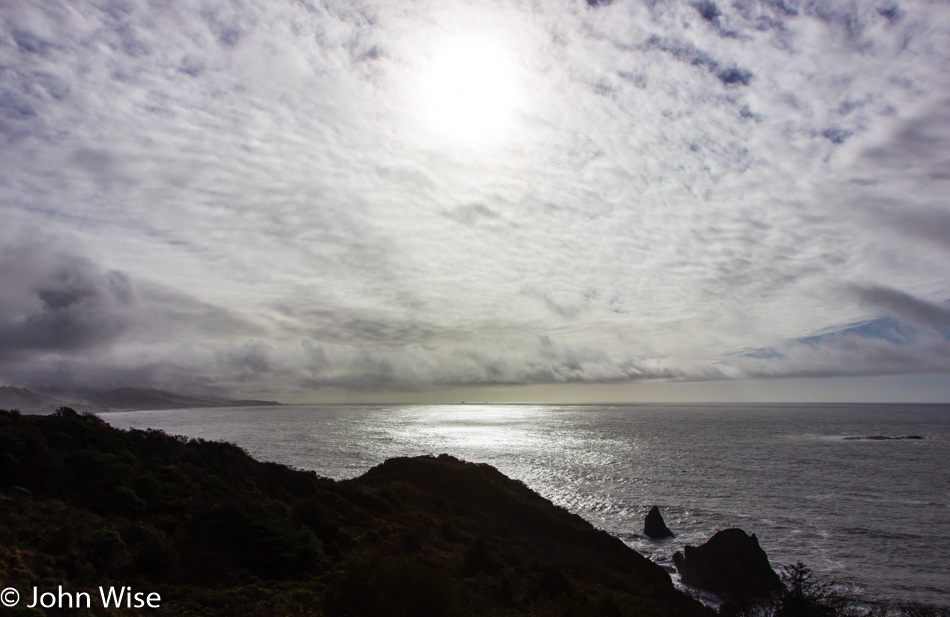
(731, 563)
(654, 527)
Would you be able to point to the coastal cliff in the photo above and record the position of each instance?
(214, 532)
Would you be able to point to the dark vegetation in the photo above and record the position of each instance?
(83, 504)
(806, 595)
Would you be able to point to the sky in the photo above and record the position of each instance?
(451, 200)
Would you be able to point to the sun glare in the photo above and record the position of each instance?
(470, 90)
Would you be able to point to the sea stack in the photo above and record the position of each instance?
(654, 527)
(731, 563)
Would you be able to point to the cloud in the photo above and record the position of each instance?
(56, 300)
(66, 319)
(905, 306)
(894, 351)
(911, 335)
(251, 197)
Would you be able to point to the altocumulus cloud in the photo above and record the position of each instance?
(248, 195)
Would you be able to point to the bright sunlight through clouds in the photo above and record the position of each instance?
(470, 89)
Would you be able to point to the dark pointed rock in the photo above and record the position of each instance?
(654, 527)
(731, 563)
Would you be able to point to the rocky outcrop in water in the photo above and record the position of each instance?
(731, 564)
(654, 526)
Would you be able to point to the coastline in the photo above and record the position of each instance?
(384, 489)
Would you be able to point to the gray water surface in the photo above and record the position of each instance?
(871, 514)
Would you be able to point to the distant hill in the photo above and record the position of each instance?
(147, 398)
(122, 399)
(28, 401)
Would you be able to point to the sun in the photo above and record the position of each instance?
(470, 90)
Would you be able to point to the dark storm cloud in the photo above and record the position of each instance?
(55, 300)
(61, 312)
(905, 306)
(931, 224)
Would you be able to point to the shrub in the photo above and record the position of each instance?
(153, 553)
(392, 587)
(806, 595)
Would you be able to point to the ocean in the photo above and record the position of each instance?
(858, 493)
